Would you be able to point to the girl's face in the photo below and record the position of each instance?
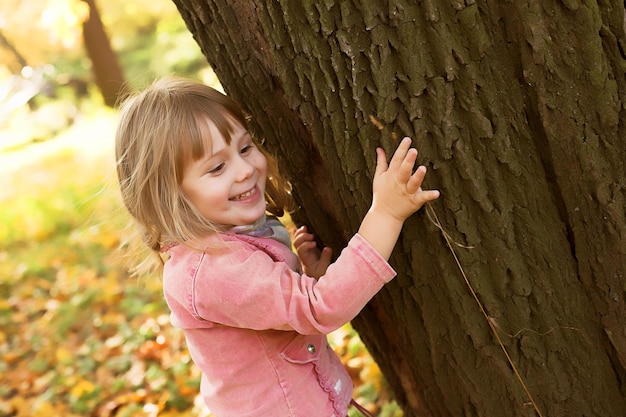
(227, 185)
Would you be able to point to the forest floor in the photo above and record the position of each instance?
(80, 336)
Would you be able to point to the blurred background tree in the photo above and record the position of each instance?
(48, 77)
(106, 69)
(46, 36)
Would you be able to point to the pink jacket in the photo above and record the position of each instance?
(257, 329)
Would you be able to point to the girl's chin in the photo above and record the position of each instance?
(258, 215)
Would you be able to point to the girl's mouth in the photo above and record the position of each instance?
(245, 195)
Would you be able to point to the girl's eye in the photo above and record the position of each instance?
(246, 149)
(218, 169)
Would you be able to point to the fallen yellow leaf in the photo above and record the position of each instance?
(45, 409)
(63, 355)
(81, 388)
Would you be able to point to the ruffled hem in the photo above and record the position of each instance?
(340, 410)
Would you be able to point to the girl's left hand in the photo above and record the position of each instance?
(314, 262)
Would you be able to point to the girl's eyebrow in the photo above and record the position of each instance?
(233, 139)
(210, 154)
(243, 134)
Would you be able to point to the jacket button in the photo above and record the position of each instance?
(311, 348)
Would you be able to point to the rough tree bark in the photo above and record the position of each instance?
(518, 109)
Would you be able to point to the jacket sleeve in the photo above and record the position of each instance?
(247, 288)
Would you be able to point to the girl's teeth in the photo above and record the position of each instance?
(244, 195)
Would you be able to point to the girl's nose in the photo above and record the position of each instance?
(244, 169)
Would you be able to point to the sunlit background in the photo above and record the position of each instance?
(80, 335)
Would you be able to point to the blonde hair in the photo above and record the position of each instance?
(159, 130)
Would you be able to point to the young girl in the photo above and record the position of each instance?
(254, 314)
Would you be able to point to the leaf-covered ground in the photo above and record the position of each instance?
(79, 336)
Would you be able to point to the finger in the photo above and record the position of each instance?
(327, 255)
(301, 238)
(406, 167)
(307, 249)
(415, 182)
(381, 161)
(308, 246)
(430, 195)
(401, 151)
(299, 231)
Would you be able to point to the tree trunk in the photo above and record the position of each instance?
(509, 299)
(6, 43)
(106, 69)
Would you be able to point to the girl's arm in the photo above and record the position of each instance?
(397, 195)
(239, 285)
